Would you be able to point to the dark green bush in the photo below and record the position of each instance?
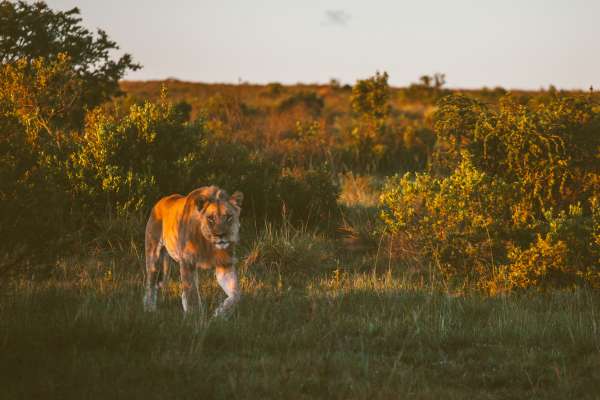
(308, 196)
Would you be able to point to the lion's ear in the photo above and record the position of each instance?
(236, 199)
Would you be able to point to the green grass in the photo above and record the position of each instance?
(337, 333)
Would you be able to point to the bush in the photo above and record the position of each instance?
(370, 104)
(233, 166)
(308, 196)
(457, 222)
(34, 101)
(549, 149)
(519, 206)
(127, 163)
(565, 255)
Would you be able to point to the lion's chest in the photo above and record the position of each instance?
(198, 254)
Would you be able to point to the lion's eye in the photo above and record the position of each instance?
(211, 219)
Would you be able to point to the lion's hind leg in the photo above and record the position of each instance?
(153, 272)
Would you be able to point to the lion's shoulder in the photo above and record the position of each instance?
(168, 207)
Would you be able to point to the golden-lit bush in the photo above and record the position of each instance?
(35, 100)
(550, 149)
(566, 254)
(514, 204)
(128, 162)
(458, 222)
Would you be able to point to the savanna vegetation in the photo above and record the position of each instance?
(417, 242)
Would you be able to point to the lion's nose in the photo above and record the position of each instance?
(220, 235)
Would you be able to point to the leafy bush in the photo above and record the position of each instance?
(370, 104)
(306, 146)
(516, 204)
(565, 255)
(550, 149)
(34, 100)
(127, 163)
(308, 196)
(458, 221)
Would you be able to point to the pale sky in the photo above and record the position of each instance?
(515, 44)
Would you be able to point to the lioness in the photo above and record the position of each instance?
(199, 230)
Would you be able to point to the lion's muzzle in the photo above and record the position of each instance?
(221, 244)
(221, 241)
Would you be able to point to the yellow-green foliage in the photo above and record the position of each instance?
(565, 255)
(520, 208)
(457, 221)
(550, 149)
(370, 104)
(30, 31)
(35, 100)
(129, 162)
(126, 157)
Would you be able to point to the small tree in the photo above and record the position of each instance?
(370, 103)
(33, 31)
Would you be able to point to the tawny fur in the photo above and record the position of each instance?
(199, 230)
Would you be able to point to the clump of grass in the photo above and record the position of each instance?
(358, 190)
(358, 202)
(290, 250)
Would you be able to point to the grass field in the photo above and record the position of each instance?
(344, 331)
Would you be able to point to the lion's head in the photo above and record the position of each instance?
(219, 216)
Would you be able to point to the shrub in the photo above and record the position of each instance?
(34, 101)
(516, 205)
(370, 104)
(550, 149)
(310, 101)
(306, 146)
(233, 166)
(308, 196)
(126, 163)
(458, 222)
(565, 255)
